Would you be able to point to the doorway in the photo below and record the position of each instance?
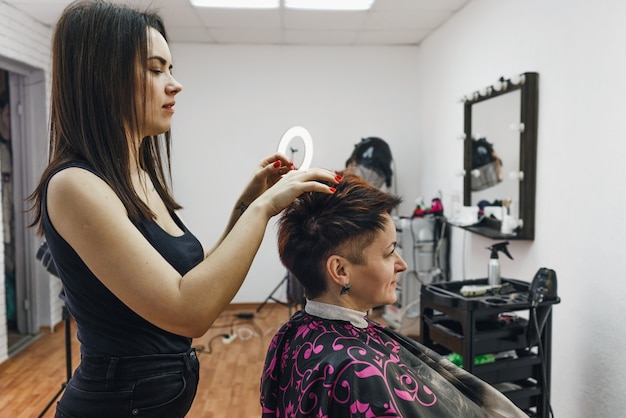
(14, 336)
(17, 335)
(24, 290)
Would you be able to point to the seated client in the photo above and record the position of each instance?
(331, 360)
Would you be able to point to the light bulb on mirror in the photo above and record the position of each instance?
(519, 127)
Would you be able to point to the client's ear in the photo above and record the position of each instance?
(337, 269)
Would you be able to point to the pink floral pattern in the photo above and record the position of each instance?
(325, 368)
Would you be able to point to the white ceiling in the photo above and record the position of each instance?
(389, 22)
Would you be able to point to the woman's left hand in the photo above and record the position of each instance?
(269, 171)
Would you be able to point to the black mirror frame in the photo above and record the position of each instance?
(529, 109)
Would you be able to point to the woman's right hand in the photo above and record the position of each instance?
(274, 185)
(293, 184)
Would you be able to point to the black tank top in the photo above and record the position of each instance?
(106, 326)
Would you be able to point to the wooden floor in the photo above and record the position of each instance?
(229, 372)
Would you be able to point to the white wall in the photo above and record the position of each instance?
(237, 102)
(577, 49)
(247, 97)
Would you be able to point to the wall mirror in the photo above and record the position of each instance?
(500, 150)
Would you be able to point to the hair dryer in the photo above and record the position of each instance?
(543, 287)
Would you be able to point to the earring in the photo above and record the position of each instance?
(345, 289)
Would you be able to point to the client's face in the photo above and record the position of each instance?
(374, 283)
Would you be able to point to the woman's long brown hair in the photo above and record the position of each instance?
(99, 54)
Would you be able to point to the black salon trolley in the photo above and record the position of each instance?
(491, 324)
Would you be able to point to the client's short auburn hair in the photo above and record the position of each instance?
(318, 225)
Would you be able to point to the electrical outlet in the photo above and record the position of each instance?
(229, 339)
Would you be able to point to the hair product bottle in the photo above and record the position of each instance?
(493, 268)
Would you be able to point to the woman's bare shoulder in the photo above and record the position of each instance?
(75, 191)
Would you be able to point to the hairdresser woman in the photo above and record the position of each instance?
(331, 360)
(135, 279)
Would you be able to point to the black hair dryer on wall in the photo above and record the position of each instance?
(542, 288)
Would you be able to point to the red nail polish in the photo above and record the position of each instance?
(338, 178)
(276, 164)
(333, 190)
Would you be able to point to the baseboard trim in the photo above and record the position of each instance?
(253, 306)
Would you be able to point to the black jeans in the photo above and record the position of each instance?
(142, 386)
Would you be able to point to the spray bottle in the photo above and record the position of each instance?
(493, 269)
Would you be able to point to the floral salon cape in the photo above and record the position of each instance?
(318, 367)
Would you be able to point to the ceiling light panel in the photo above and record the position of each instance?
(237, 4)
(329, 4)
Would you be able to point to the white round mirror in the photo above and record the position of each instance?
(297, 139)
